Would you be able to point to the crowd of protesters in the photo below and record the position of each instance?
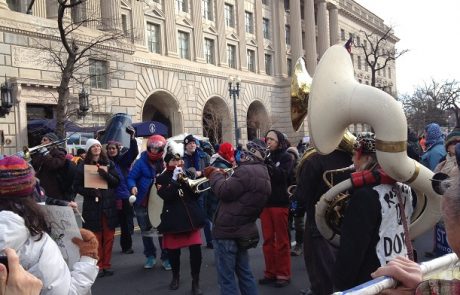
(226, 212)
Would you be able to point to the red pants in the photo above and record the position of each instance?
(276, 243)
(105, 239)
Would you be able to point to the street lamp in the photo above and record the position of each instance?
(83, 101)
(6, 98)
(234, 91)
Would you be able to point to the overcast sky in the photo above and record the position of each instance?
(431, 32)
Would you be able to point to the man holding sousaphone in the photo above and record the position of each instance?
(375, 226)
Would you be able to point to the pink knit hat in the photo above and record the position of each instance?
(17, 178)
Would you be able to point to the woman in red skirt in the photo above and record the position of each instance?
(181, 221)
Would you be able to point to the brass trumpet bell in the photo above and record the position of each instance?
(300, 92)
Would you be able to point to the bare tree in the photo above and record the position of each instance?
(432, 102)
(74, 55)
(212, 125)
(378, 51)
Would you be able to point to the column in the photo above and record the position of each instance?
(138, 20)
(310, 36)
(334, 25)
(170, 28)
(111, 15)
(259, 36)
(39, 8)
(241, 30)
(296, 31)
(197, 30)
(221, 38)
(3, 5)
(93, 11)
(279, 38)
(323, 40)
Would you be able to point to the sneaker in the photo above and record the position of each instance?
(129, 251)
(108, 272)
(150, 262)
(166, 265)
(297, 250)
(210, 245)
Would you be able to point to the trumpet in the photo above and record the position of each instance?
(27, 152)
(194, 184)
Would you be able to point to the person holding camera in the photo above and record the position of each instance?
(241, 201)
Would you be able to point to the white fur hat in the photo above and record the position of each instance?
(173, 147)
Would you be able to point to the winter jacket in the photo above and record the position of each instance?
(142, 176)
(311, 186)
(47, 167)
(181, 213)
(211, 200)
(98, 201)
(280, 165)
(433, 155)
(123, 163)
(43, 259)
(242, 198)
(200, 157)
(372, 233)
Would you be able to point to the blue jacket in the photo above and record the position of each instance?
(433, 155)
(143, 175)
(122, 165)
(200, 157)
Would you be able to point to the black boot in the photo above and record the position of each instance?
(174, 285)
(196, 285)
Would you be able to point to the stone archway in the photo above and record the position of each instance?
(257, 120)
(161, 106)
(216, 121)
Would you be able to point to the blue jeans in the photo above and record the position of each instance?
(207, 224)
(144, 223)
(231, 260)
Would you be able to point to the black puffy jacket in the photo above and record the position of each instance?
(181, 211)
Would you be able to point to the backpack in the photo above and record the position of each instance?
(65, 178)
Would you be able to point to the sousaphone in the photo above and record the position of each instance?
(337, 100)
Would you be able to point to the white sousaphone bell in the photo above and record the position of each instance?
(338, 100)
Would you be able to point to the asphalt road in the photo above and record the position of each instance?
(131, 278)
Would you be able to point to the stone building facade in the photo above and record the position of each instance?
(175, 59)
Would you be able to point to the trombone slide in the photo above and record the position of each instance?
(379, 284)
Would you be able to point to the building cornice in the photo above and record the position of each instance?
(348, 11)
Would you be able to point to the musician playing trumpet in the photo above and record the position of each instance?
(374, 228)
(181, 220)
(49, 165)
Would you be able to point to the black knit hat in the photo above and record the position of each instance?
(189, 138)
(453, 137)
(170, 156)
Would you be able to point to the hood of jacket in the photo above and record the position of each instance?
(13, 232)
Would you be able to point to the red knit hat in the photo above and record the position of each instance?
(227, 152)
(17, 178)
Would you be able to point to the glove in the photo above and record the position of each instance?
(209, 170)
(44, 151)
(102, 172)
(88, 244)
(176, 173)
(131, 131)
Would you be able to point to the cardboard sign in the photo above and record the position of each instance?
(92, 179)
(63, 228)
